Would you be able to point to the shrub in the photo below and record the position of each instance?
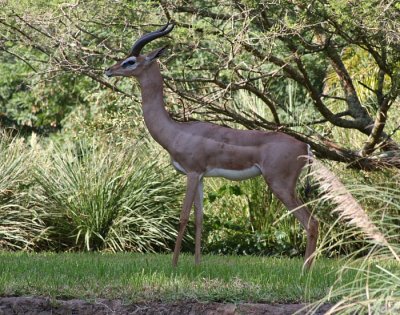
(102, 197)
(246, 218)
(20, 226)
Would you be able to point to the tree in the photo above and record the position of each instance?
(258, 47)
(259, 65)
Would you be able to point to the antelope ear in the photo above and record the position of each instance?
(155, 54)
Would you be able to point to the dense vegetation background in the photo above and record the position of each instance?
(78, 170)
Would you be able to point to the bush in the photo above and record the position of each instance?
(20, 226)
(101, 197)
(246, 218)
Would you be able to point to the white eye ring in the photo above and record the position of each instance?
(129, 62)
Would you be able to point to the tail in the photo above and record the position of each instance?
(346, 205)
(310, 158)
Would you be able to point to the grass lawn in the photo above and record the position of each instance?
(150, 277)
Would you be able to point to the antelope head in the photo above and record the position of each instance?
(134, 64)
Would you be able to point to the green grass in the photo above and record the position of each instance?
(149, 277)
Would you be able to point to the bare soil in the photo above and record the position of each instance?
(47, 306)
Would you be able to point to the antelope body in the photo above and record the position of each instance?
(201, 149)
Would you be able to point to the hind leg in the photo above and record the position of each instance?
(283, 188)
(310, 224)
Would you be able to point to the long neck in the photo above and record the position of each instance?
(157, 119)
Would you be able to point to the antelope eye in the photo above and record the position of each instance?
(128, 63)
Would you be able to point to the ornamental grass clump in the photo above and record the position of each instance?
(20, 225)
(102, 197)
(375, 238)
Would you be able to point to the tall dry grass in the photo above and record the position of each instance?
(374, 236)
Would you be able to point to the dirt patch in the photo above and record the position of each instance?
(47, 306)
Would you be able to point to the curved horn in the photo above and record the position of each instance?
(139, 44)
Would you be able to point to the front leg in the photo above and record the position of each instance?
(198, 211)
(191, 189)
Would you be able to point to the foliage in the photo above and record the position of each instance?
(20, 226)
(94, 195)
(375, 287)
(40, 102)
(59, 51)
(325, 72)
(85, 196)
(262, 47)
(98, 198)
(247, 219)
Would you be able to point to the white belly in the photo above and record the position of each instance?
(226, 173)
(234, 174)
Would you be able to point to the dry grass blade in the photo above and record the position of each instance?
(347, 206)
